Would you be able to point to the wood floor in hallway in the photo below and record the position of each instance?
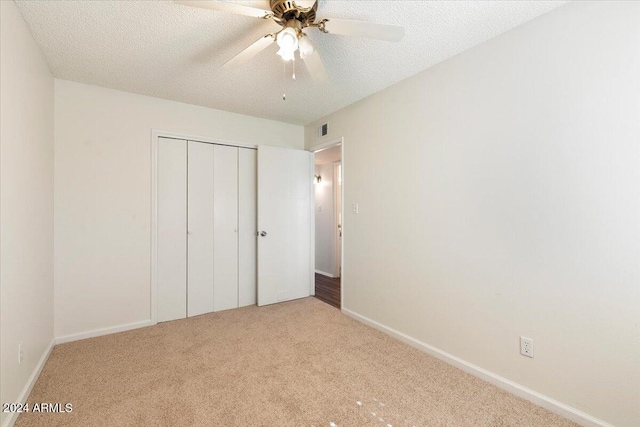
(328, 290)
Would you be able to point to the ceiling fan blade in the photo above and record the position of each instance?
(226, 7)
(316, 67)
(370, 30)
(255, 48)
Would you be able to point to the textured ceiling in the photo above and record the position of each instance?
(161, 49)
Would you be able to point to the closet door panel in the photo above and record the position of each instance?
(247, 227)
(225, 227)
(172, 229)
(200, 298)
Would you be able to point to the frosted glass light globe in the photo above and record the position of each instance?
(305, 47)
(286, 55)
(288, 41)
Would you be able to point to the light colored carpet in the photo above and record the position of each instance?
(300, 363)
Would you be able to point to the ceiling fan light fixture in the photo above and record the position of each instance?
(295, 16)
(288, 42)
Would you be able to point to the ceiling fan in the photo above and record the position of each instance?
(294, 17)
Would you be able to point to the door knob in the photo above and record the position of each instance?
(263, 233)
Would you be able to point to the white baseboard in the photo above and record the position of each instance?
(325, 274)
(24, 395)
(539, 399)
(103, 331)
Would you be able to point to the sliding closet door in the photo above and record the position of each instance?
(172, 229)
(200, 228)
(225, 227)
(247, 227)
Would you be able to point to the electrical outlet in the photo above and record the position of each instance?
(354, 208)
(20, 353)
(526, 346)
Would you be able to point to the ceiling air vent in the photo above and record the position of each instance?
(323, 130)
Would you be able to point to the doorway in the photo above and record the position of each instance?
(328, 223)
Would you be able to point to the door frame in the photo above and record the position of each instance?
(155, 134)
(314, 149)
(337, 216)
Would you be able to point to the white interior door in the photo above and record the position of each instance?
(225, 227)
(285, 214)
(246, 227)
(172, 229)
(200, 229)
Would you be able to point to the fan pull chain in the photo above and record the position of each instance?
(284, 78)
(284, 74)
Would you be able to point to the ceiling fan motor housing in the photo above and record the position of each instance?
(288, 10)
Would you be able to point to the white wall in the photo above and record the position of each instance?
(499, 196)
(26, 204)
(325, 237)
(103, 195)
